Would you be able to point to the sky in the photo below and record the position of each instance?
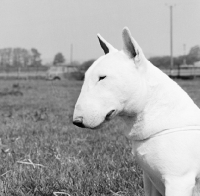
(52, 26)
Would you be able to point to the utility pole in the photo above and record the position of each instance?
(71, 54)
(184, 54)
(171, 39)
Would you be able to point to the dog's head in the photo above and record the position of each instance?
(113, 84)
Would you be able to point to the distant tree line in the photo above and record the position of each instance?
(19, 57)
(164, 61)
(85, 65)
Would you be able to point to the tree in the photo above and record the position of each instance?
(18, 57)
(194, 54)
(36, 61)
(26, 57)
(161, 61)
(59, 59)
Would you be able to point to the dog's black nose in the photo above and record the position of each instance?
(79, 122)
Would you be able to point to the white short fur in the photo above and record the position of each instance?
(162, 120)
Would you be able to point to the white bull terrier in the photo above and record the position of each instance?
(162, 120)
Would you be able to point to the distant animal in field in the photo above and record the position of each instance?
(14, 91)
(161, 119)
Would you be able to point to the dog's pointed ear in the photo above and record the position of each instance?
(131, 47)
(105, 45)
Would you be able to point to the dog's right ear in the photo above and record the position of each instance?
(105, 45)
(131, 47)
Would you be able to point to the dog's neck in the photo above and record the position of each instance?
(168, 107)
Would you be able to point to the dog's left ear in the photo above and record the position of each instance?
(131, 47)
(105, 45)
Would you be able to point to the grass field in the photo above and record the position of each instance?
(43, 153)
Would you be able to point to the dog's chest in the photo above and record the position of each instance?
(171, 154)
(150, 162)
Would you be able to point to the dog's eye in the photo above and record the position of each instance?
(101, 77)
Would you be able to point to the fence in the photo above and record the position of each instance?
(70, 72)
(190, 72)
(22, 75)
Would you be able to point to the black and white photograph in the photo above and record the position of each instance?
(99, 97)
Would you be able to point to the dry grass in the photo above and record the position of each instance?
(42, 153)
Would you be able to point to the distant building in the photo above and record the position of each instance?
(197, 64)
(186, 66)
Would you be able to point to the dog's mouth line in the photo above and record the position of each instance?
(107, 118)
(109, 115)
